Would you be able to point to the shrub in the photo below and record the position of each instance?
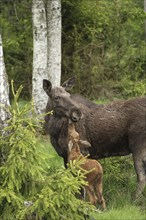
(25, 177)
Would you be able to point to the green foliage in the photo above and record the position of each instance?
(119, 181)
(32, 171)
(119, 171)
(57, 198)
(127, 212)
(16, 30)
(26, 176)
(103, 43)
(20, 170)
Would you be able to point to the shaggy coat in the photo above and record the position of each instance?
(114, 129)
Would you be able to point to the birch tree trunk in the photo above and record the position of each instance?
(47, 48)
(39, 55)
(54, 41)
(4, 91)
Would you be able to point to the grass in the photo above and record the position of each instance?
(128, 212)
(117, 193)
(119, 184)
(55, 161)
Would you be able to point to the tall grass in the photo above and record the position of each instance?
(128, 212)
(119, 185)
(55, 161)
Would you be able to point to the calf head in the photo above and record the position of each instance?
(74, 138)
(60, 100)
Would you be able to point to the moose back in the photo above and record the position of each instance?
(114, 129)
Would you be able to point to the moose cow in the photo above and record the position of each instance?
(114, 129)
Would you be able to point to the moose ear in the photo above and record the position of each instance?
(68, 84)
(47, 86)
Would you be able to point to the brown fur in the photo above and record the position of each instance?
(114, 129)
(94, 177)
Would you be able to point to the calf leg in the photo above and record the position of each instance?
(98, 188)
(91, 194)
(140, 167)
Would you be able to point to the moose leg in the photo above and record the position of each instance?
(140, 167)
(98, 188)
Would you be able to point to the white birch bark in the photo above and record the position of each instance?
(39, 55)
(4, 90)
(54, 41)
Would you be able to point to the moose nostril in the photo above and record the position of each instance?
(75, 114)
(74, 118)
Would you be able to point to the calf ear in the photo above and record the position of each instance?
(68, 84)
(47, 86)
(70, 146)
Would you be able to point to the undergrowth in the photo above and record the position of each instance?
(119, 185)
(35, 185)
(29, 188)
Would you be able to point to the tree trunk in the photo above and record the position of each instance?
(39, 55)
(4, 91)
(145, 19)
(54, 41)
(47, 48)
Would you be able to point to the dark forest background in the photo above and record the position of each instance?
(103, 44)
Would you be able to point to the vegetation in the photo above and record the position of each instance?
(16, 29)
(102, 43)
(35, 185)
(26, 176)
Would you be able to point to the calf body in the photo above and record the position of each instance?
(94, 177)
(114, 129)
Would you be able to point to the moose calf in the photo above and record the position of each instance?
(94, 177)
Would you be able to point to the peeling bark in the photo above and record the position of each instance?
(47, 48)
(54, 41)
(39, 55)
(4, 90)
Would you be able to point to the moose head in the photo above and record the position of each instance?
(60, 99)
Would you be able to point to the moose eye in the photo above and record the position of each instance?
(56, 98)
